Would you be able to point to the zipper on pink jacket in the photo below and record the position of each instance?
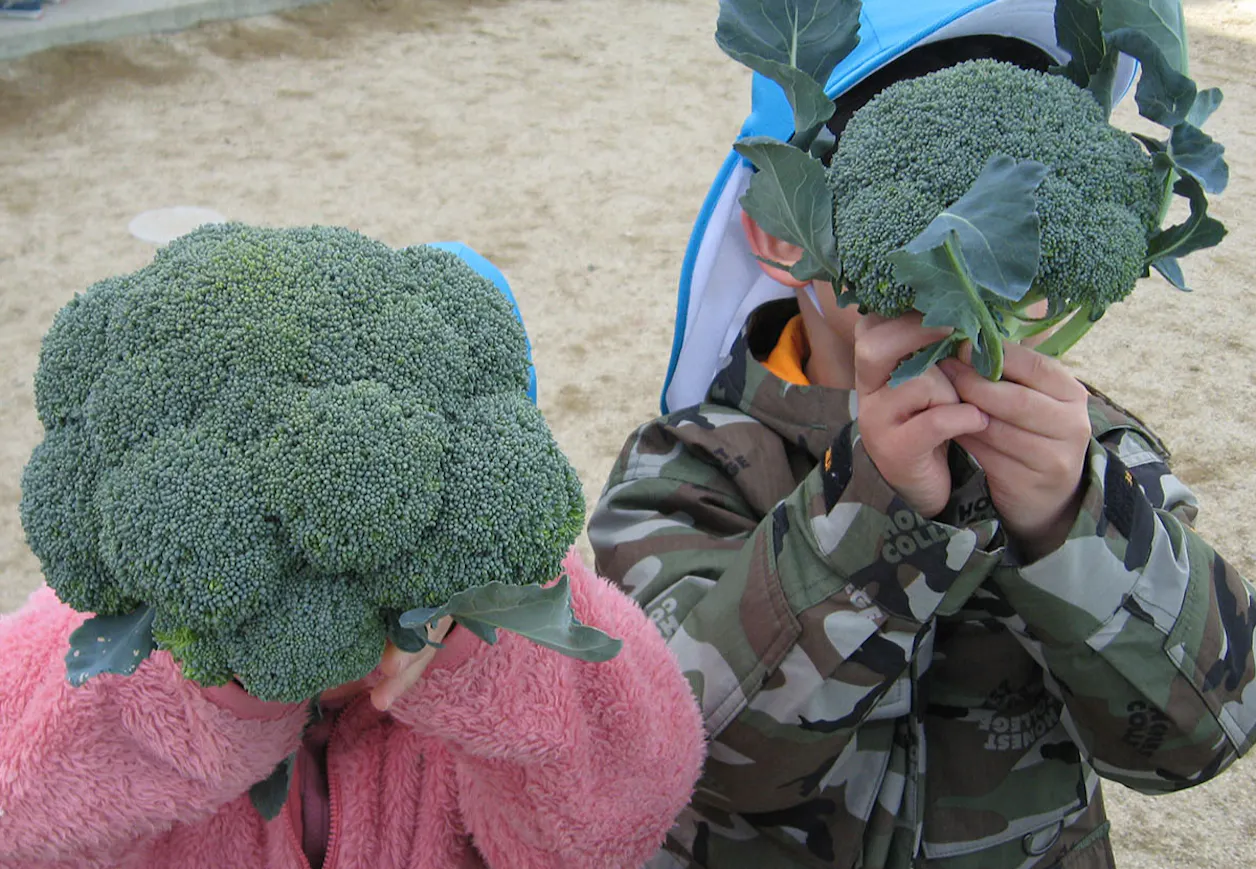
(333, 799)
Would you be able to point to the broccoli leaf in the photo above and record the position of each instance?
(810, 35)
(1197, 232)
(1195, 153)
(1206, 102)
(996, 226)
(946, 294)
(412, 639)
(542, 615)
(1079, 31)
(1160, 21)
(823, 143)
(925, 358)
(1162, 163)
(269, 795)
(951, 298)
(110, 644)
(1158, 149)
(1103, 82)
(812, 106)
(986, 243)
(1164, 95)
(808, 268)
(789, 199)
(1093, 64)
(1171, 270)
(795, 43)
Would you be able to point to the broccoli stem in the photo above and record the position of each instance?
(802, 139)
(988, 342)
(1070, 333)
(1027, 327)
(1166, 197)
(1027, 301)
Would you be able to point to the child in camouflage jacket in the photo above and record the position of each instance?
(906, 657)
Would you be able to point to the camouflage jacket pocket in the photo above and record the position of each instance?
(1015, 799)
(1076, 840)
(1001, 767)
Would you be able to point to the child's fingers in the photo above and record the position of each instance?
(992, 461)
(395, 659)
(1036, 504)
(388, 689)
(384, 694)
(403, 669)
(904, 401)
(912, 455)
(1035, 452)
(1021, 405)
(1000, 398)
(942, 423)
(390, 663)
(1040, 373)
(881, 347)
(1044, 374)
(866, 323)
(441, 629)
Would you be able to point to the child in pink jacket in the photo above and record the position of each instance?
(508, 756)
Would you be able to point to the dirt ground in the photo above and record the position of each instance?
(570, 141)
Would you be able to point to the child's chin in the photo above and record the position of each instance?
(345, 691)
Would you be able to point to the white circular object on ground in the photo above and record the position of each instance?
(164, 225)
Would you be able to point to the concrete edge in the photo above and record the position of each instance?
(71, 23)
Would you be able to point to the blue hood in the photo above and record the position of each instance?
(720, 282)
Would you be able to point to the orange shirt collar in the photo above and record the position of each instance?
(790, 353)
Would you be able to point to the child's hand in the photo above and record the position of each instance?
(905, 428)
(402, 669)
(1035, 446)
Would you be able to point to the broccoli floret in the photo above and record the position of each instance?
(69, 367)
(59, 510)
(498, 510)
(918, 146)
(183, 527)
(280, 439)
(202, 658)
(332, 625)
(374, 456)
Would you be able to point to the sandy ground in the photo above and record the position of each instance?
(571, 142)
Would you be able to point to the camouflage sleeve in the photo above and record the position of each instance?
(837, 580)
(1145, 632)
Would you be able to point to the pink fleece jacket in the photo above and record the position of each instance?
(508, 756)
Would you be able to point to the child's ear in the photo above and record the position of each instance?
(768, 247)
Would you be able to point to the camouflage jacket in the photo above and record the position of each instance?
(883, 690)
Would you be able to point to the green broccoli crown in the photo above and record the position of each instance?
(918, 146)
(282, 438)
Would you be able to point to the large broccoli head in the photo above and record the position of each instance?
(919, 145)
(280, 440)
(975, 192)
